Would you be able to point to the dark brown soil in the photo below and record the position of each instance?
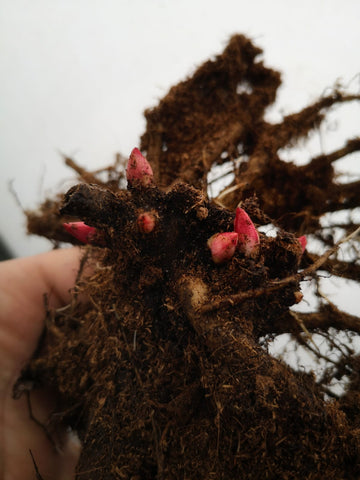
(160, 370)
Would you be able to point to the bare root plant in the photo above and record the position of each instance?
(164, 370)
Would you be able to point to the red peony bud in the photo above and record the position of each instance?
(303, 242)
(223, 246)
(248, 235)
(146, 222)
(138, 169)
(81, 231)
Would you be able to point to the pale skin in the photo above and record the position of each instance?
(23, 283)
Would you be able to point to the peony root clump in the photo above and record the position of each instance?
(159, 362)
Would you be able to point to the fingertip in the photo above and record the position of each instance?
(23, 284)
(57, 272)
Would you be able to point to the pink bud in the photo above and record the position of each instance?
(223, 246)
(303, 242)
(146, 222)
(81, 231)
(138, 169)
(248, 235)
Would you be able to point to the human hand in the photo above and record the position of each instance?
(23, 283)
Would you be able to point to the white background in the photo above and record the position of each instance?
(76, 75)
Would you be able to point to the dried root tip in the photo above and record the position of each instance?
(248, 236)
(303, 242)
(298, 296)
(222, 246)
(92, 203)
(81, 231)
(138, 169)
(202, 213)
(146, 222)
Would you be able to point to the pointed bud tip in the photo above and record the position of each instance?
(303, 242)
(79, 230)
(222, 246)
(138, 169)
(248, 235)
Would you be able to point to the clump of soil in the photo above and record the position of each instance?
(158, 363)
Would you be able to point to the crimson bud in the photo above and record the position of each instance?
(303, 242)
(248, 235)
(222, 246)
(146, 222)
(138, 169)
(81, 231)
